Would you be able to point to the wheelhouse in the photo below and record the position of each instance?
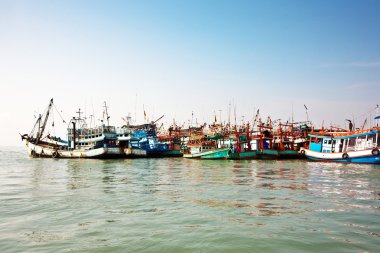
(344, 142)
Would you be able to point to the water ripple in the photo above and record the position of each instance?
(179, 205)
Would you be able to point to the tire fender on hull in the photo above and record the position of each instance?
(55, 154)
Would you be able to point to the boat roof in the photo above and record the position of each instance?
(345, 135)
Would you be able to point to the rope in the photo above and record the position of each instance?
(59, 114)
(53, 126)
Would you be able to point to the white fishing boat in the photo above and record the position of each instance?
(82, 141)
(361, 146)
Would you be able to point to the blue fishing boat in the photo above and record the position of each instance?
(144, 141)
(361, 146)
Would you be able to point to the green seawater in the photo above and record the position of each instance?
(184, 205)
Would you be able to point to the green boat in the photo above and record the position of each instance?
(200, 147)
(173, 153)
(282, 144)
(246, 155)
(241, 147)
(267, 154)
(173, 140)
(220, 153)
(289, 154)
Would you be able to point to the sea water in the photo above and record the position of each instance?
(181, 205)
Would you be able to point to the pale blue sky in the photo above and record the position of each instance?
(184, 56)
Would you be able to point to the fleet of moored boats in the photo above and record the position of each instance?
(258, 140)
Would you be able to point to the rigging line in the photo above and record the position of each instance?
(365, 114)
(53, 123)
(35, 125)
(64, 121)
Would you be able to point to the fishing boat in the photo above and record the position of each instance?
(173, 139)
(241, 147)
(82, 141)
(283, 143)
(289, 138)
(206, 147)
(265, 143)
(360, 146)
(124, 141)
(145, 142)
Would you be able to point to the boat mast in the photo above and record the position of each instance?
(229, 116)
(35, 125)
(42, 129)
(105, 113)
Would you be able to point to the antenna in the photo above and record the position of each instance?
(229, 114)
(307, 115)
(79, 113)
(91, 119)
(93, 113)
(235, 114)
(192, 115)
(85, 112)
(105, 113)
(292, 114)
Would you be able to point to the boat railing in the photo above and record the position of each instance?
(362, 147)
(109, 129)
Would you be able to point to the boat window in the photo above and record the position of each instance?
(325, 141)
(361, 142)
(351, 143)
(372, 140)
(329, 141)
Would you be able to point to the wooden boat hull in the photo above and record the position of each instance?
(221, 153)
(268, 154)
(135, 153)
(153, 153)
(289, 154)
(247, 155)
(278, 154)
(173, 153)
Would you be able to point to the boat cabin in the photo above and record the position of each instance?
(343, 142)
(88, 138)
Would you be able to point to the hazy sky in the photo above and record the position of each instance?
(175, 57)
